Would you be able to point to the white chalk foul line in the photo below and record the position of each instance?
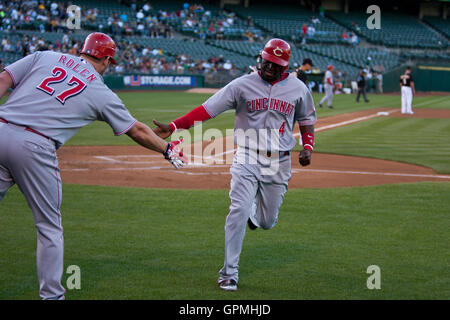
(374, 173)
(106, 158)
(168, 167)
(344, 123)
(431, 101)
(334, 125)
(399, 174)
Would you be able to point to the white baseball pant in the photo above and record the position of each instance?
(407, 100)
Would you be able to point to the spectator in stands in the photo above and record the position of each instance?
(91, 15)
(249, 21)
(354, 39)
(147, 8)
(220, 33)
(345, 36)
(140, 15)
(311, 31)
(249, 36)
(211, 29)
(201, 31)
(356, 26)
(124, 17)
(140, 28)
(227, 65)
(322, 10)
(304, 29)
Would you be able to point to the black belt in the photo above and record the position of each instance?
(28, 129)
(269, 153)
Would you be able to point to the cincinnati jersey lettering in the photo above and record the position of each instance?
(262, 104)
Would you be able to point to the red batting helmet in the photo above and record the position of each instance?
(99, 45)
(277, 51)
(330, 67)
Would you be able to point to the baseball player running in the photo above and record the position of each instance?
(270, 100)
(54, 95)
(408, 90)
(329, 85)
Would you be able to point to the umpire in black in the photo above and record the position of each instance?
(301, 71)
(361, 81)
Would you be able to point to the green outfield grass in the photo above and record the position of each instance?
(167, 106)
(419, 141)
(436, 102)
(149, 244)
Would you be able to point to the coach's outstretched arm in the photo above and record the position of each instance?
(6, 82)
(144, 136)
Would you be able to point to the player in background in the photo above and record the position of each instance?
(361, 82)
(407, 91)
(300, 72)
(54, 95)
(267, 100)
(329, 85)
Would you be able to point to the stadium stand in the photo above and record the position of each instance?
(398, 30)
(287, 22)
(381, 60)
(439, 24)
(167, 36)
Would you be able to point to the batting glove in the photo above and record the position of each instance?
(174, 155)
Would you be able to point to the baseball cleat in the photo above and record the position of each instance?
(228, 285)
(251, 225)
(331, 107)
(320, 105)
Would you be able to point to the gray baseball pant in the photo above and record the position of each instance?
(328, 95)
(30, 161)
(252, 195)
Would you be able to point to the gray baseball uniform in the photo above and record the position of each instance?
(254, 191)
(328, 88)
(55, 95)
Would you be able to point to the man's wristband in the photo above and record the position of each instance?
(308, 141)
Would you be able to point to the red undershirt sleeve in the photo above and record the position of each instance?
(188, 120)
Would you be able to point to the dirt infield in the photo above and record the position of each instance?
(134, 166)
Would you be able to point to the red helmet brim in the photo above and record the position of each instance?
(274, 59)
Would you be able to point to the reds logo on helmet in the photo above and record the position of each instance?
(277, 51)
(99, 45)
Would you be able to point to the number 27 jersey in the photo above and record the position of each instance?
(57, 94)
